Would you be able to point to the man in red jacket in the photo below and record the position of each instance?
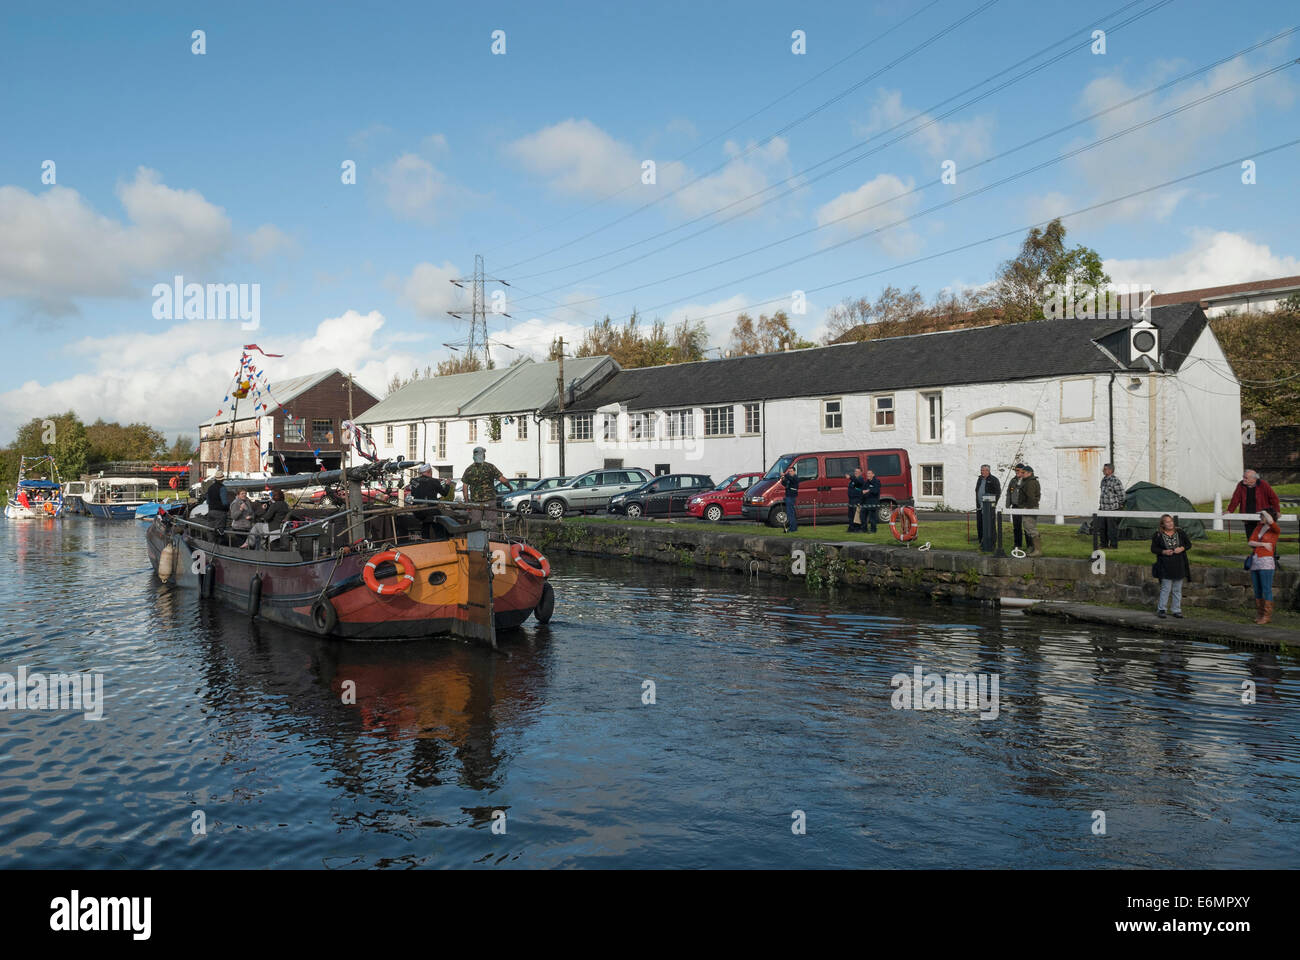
(1252, 495)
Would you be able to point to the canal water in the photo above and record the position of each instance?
(771, 713)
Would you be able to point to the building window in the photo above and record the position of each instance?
(580, 427)
(412, 442)
(832, 416)
(932, 480)
(293, 432)
(719, 421)
(521, 428)
(442, 439)
(322, 431)
(882, 413)
(554, 435)
(931, 417)
(753, 418)
(388, 435)
(681, 423)
(608, 427)
(473, 431)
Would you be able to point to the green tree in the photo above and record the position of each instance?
(1020, 288)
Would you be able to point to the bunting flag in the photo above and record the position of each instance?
(253, 346)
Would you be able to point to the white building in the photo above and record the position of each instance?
(1257, 296)
(441, 420)
(1158, 399)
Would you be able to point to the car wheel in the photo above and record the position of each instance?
(634, 510)
(555, 509)
(884, 512)
(525, 507)
(777, 517)
(713, 514)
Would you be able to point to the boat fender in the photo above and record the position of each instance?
(172, 483)
(905, 516)
(538, 565)
(166, 562)
(404, 582)
(324, 618)
(545, 606)
(208, 580)
(50, 508)
(255, 595)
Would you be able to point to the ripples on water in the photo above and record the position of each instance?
(769, 699)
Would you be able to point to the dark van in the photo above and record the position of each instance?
(824, 485)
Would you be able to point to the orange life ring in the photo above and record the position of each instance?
(172, 483)
(908, 516)
(50, 508)
(404, 583)
(543, 567)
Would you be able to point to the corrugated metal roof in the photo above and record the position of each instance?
(282, 391)
(532, 386)
(524, 386)
(434, 397)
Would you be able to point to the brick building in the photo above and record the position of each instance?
(314, 407)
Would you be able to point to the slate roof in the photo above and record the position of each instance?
(995, 354)
(283, 391)
(524, 386)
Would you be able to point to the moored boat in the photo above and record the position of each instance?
(116, 498)
(38, 493)
(360, 571)
(73, 491)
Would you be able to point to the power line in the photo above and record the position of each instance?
(699, 146)
(947, 203)
(766, 140)
(796, 181)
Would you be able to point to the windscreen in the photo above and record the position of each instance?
(779, 467)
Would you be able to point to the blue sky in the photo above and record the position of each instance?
(226, 168)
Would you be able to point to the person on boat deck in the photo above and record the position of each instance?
(479, 478)
(270, 518)
(426, 486)
(241, 514)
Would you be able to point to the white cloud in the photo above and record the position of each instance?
(870, 206)
(534, 337)
(413, 188)
(54, 247)
(750, 171)
(269, 240)
(959, 140)
(428, 290)
(1156, 153)
(194, 377)
(1215, 257)
(579, 157)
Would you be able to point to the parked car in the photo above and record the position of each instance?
(664, 496)
(823, 487)
(588, 493)
(723, 501)
(521, 483)
(521, 501)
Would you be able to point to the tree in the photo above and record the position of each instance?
(112, 441)
(864, 319)
(60, 435)
(631, 347)
(1020, 288)
(182, 449)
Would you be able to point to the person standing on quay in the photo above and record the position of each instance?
(1170, 544)
(790, 480)
(1262, 564)
(1252, 495)
(857, 483)
(1013, 502)
(871, 502)
(1112, 498)
(986, 485)
(1030, 495)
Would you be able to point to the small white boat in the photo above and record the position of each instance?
(115, 498)
(36, 497)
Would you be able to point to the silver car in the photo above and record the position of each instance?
(588, 493)
(521, 501)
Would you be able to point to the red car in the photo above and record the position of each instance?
(724, 500)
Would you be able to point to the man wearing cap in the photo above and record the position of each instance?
(1030, 495)
(480, 477)
(218, 500)
(1013, 502)
(426, 487)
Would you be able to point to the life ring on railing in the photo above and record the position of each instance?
(905, 517)
(541, 569)
(173, 483)
(50, 508)
(405, 581)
